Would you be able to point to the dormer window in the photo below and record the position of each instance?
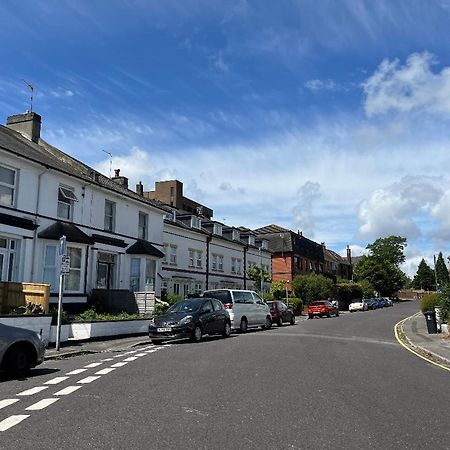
(196, 222)
(217, 229)
(264, 245)
(251, 240)
(235, 235)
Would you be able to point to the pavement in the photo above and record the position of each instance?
(415, 331)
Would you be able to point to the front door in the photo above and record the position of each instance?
(106, 266)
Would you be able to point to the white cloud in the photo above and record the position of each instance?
(307, 196)
(320, 85)
(409, 87)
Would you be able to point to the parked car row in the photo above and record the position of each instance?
(218, 312)
(370, 303)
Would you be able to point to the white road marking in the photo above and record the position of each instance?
(34, 390)
(140, 354)
(76, 371)
(107, 359)
(88, 380)
(11, 421)
(151, 351)
(42, 404)
(119, 364)
(68, 390)
(7, 402)
(131, 358)
(93, 365)
(56, 380)
(105, 371)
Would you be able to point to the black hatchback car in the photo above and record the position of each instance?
(191, 318)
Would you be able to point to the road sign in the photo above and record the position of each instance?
(65, 265)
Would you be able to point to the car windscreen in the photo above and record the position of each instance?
(186, 306)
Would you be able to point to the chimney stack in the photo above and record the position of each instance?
(117, 178)
(27, 124)
(349, 255)
(140, 189)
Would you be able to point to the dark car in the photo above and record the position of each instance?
(322, 308)
(191, 318)
(20, 350)
(281, 313)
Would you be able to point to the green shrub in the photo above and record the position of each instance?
(266, 296)
(92, 315)
(429, 301)
(173, 298)
(312, 287)
(278, 289)
(297, 305)
(444, 303)
(65, 318)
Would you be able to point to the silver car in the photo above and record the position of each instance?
(20, 350)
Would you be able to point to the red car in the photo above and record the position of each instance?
(322, 308)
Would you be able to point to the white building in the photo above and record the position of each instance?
(114, 235)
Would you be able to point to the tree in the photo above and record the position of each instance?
(368, 290)
(254, 274)
(385, 277)
(441, 271)
(424, 278)
(390, 249)
(278, 289)
(312, 287)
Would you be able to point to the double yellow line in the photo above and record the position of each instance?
(397, 327)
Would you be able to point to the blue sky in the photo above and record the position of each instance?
(327, 116)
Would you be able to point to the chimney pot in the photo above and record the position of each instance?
(140, 189)
(117, 172)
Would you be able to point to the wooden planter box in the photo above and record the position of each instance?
(40, 324)
(13, 295)
(89, 330)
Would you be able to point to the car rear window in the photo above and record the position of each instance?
(318, 303)
(223, 296)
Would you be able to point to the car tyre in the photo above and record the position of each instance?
(243, 326)
(226, 330)
(18, 361)
(268, 324)
(280, 322)
(292, 321)
(197, 334)
(337, 313)
(328, 314)
(310, 316)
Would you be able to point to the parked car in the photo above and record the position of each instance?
(191, 318)
(281, 313)
(322, 308)
(20, 350)
(358, 305)
(246, 308)
(372, 303)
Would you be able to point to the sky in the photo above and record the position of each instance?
(327, 116)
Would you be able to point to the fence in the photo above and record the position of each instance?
(14, 295)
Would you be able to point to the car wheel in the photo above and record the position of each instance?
(243, 326)
(18, 361)
(292, 321)
(197, 333)
(310, 316)
(226, 330)
(280, 322)
(337, 313)
(268, 324)
(328, 314)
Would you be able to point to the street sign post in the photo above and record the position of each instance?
(64, 269)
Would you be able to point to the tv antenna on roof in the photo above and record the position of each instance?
(110, 161)
(31, 94)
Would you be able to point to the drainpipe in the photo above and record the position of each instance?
(245, 266)
(33, 251)
(208, 241)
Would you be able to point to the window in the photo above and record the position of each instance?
(220, 263)
(242, 297)
(135, 274)
(191, 257)
(217, 262)
(8, 259)
(198, 288)
(7, 186)
(66, 199)
(217, 229)
(196, 222)
(150, 273)
(233, 265)
(110, 215)
(214, 262)
(72, 281)
(49, 276)
(173, 254)
(165, 258)
(235, 235)
(251, 240)
(199, 259)
(176, 288)
(238, 266)
(264, 244)
(142, 227)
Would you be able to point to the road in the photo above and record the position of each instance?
(322, 384)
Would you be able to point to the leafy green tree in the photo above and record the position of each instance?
(278, 289)
(368, 290)
(444, 303)
(346, 291)
(254, 274)
(390, 249)
(441, 271)
(385, 277)
(424, 278)
(312, 287)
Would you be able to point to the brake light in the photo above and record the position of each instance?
(228, 306)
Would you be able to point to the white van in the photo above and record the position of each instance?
(246, 308)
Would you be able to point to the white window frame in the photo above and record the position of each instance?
(217, 229)
(13, 187)
(196, 222)
(143, 230)
(75, 269)
(251, 240)
(220, 263)
(173, 255)
(235, 235)
(199, 260)
(111, 218)
(10, 255)
(191, 257)
(238, 266)
(67, 200)
(233, 265)
(214, 262)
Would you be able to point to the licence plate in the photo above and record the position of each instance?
(163, 330)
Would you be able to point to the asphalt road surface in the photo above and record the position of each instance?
(338, 383)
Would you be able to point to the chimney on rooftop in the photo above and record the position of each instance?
(140, 189)
(27, 124)
(117, 178)
(349, 255)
